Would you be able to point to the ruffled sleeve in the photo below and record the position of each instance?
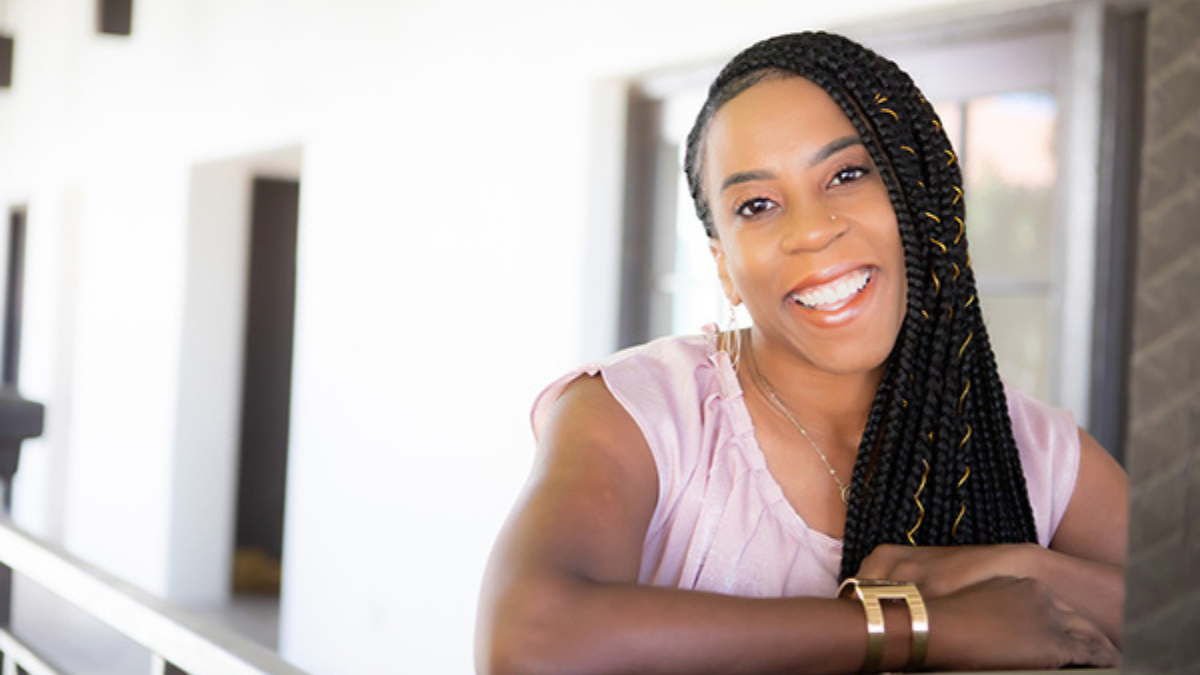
(1048, 440)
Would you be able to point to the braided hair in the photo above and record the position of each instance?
(937, 464)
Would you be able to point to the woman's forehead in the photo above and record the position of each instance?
(774, 115)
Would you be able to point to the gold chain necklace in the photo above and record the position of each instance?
(766, 388)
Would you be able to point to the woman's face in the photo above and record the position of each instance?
(805, 233)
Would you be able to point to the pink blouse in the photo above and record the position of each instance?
(722, 523)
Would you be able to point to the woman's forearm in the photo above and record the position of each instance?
(626, 628)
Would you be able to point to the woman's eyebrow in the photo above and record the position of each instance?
(834, 147)
(828, 150)
(745, 177)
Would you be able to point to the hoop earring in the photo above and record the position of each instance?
(729, 339)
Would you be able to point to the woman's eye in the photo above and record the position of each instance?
(848, 175)
(754, 207)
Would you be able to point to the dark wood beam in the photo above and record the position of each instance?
(114, 17)
(6, 61)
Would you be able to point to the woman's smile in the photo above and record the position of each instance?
(836, 303)
(833, 295)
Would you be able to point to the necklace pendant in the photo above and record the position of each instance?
(845, 490)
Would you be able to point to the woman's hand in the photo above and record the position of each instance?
(1008, 622)
(942, 570)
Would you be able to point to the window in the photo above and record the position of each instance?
(1021, 98)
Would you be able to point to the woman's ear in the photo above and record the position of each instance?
(718, 254)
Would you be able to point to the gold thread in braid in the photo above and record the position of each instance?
(940, 245)
(963, 397)
(920, 506)
(965, 438)
(880, 99)
(937, 124)
(962, 511)
(957, 271)
(921, 183)
(969, 301)
(961, 228)
(965, 343)
(910, 150)
(958, 193)
(937, 284)
(925, 314)
(952, 158)
(935, 218)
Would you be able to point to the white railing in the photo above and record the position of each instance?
(176, 640)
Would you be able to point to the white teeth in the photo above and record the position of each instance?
(833, 294)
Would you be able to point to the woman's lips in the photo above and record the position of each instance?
(834, 294)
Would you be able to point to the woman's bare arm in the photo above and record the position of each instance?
(561, 594)
(1087, 564)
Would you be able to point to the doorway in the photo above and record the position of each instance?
(266, 387)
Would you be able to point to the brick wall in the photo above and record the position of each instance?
(1162, 631)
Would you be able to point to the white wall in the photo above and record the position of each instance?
(457, 242)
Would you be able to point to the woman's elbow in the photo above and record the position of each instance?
(509, 645)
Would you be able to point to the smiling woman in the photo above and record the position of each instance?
(698, 500)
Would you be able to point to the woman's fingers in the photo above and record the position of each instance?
(1010, 622)
(1088, 645)
(941, 570)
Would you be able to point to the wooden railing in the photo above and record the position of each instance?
(177, 642)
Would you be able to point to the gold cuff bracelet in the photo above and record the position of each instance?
(870, 592)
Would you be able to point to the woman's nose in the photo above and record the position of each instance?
(812, 230)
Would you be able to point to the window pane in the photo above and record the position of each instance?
(1019, 328)
(1009, 170)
